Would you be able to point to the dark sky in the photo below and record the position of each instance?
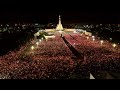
(48, 11)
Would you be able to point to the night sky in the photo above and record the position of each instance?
(71, 12)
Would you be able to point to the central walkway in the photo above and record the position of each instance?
(74, 51)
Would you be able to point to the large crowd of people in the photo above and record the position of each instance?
(52, 59)
(105, 56)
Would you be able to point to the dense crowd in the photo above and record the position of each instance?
(52, 59)
(100, 57)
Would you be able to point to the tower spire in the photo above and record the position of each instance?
(59, 20)
(59, 25)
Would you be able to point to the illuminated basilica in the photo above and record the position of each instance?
(59, 27)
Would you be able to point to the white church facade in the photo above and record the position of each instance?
(59, 27)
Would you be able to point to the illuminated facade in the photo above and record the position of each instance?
(59, 25)
(60, 28)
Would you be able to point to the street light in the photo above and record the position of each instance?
(39, 40)
(37, 43)
(74, 32)
(87, 37)
(101, 42)
(114, 45)
(42, 38)
(93, 36)
(32, 47)
(15, 24)
(93, 39)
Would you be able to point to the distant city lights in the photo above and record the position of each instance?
(110, 39)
